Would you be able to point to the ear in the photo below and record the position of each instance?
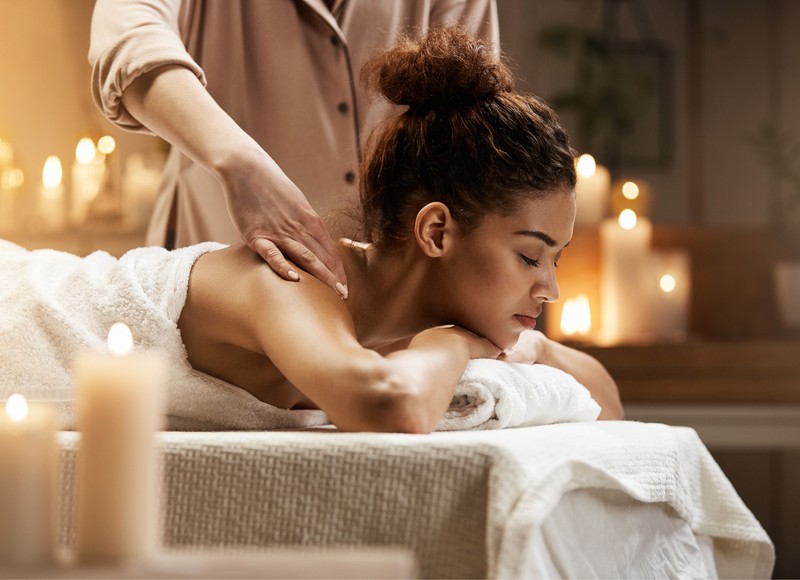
(434, 229)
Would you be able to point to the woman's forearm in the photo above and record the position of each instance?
(589, 372)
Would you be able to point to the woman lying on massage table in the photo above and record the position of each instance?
(467, 202)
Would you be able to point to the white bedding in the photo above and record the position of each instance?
(469, 504)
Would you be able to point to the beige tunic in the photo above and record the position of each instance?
(287, 71)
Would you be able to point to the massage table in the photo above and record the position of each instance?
(578, 500)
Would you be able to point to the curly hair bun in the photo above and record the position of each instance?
(447, 67)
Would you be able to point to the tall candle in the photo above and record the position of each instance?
(28, 475)
(120, 407)
(88, 171)
(625, 244)
(139, 188)
(51, 205)
(670, 286)
(592, 191)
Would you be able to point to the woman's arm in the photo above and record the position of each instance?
(307, 332)
(535, 347)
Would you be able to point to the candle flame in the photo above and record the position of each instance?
(106, 144)
(120, 339)
(17, 408)
(630, 190)
(667, 283)
(627, 219)
(52, 173)
(85, 151)
(586, 165)
(576, 318)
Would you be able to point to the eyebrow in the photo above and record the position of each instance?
(540, 235)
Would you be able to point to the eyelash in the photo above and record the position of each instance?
(534, 263)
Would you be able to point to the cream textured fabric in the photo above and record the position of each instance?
(467, 503)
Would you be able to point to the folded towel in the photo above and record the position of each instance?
(495, 394)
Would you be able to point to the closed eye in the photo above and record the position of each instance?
(529, 261)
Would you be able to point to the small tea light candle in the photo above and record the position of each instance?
(120, 407)
(576, 318)
(670, 283)
(28, 476)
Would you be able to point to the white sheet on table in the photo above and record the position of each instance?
(601, 533)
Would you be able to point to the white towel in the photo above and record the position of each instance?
(495, 394)
(54, 305)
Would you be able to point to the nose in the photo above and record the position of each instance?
(546, 288)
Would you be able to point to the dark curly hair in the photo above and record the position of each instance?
(467, 138)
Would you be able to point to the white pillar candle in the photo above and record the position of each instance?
(28, 476)
(592, 191)
(670, 286)
(120, 408)
(139, 189)
(88, 171)
(625, 244)
(51, 206)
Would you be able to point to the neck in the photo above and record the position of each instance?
(388, 292)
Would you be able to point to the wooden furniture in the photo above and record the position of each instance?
(763, 372)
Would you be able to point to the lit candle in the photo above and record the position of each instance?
(576, 318)
(631, 194)
(591, 190)
(139, 190)
(51, 204)
(88, 171)
(625, 244)
(28, 475)
(670, 284)
(120, 407)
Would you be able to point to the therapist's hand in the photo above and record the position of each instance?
(277, 222)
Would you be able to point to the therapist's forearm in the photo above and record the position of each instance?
(172, 103)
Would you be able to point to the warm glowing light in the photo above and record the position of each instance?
(17, 408)
(627, 219)
(586, 165)
(120, 339)
(6, 153)
(576, 318)
(667, 283)
(106, 144)
(12, 178)
(85, 151)
(630, 190)
(52, 173)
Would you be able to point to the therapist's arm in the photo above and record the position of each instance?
(269, 210)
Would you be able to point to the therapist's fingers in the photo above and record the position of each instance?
(276, 258)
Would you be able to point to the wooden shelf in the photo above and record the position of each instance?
(747, 372)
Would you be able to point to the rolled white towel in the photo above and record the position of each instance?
(495, 394)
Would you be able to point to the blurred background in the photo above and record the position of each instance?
(695, 307)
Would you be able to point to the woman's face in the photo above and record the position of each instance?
(499, 275)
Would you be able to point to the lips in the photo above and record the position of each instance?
(529, 322)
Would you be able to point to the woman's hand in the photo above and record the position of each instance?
(277, 222)
(528, 349)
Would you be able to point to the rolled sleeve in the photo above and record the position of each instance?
(129, 39)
